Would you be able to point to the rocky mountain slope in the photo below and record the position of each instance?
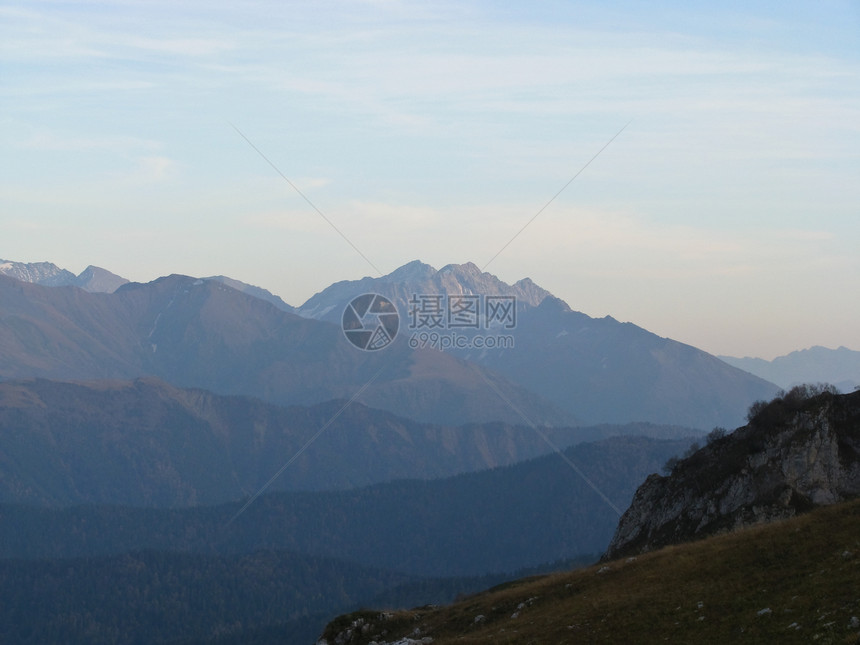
(799, 451)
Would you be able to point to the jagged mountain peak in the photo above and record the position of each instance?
(417, 277)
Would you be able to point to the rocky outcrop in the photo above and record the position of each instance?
(799, 451)
(367, 628)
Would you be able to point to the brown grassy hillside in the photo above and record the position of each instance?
(796, 581)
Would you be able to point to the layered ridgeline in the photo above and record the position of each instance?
(562, 366)
(206, 334)
(147, 443)
(600, 370)
(799, 451)
(498, 520)
(280, 569)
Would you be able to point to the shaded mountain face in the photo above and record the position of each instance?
(94, 279)
(840, 367)
(198, 333)
(796, 453)
(600, 370)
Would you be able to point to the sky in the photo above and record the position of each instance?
(294, 144)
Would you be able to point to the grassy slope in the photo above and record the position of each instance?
(805, 571)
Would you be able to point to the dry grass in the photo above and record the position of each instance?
(796, 581)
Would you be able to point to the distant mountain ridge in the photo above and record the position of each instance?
(839, 367)
(97, 280)
(93, 279)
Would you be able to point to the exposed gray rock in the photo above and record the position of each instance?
(797, 453)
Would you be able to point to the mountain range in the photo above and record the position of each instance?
(561, 367)
(839, 367)
(205, 334)
(599, 370)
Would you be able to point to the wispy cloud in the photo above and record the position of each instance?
(52, 141)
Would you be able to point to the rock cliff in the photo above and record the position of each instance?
(799, 451)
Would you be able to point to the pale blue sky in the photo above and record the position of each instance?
(726, 215)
